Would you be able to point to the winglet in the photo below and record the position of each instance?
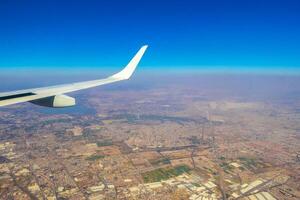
(129, 69)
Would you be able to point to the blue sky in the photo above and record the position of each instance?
(183, 35)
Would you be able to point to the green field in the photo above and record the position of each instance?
(94, 157)
(164, 173)
(160, 161)
(226, 167)
(133, 118)
(104, 143)
(248, 162)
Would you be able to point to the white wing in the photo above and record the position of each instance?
(19, 96)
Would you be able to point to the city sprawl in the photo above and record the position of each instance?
(178, 139)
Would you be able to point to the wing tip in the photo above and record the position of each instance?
(145, 46)
(127, 72)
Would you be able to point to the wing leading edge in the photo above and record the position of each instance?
(20, 96)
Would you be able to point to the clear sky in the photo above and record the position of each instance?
(205, 35)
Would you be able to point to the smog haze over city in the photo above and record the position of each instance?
(211, 112)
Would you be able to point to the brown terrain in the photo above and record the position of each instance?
(189, 137)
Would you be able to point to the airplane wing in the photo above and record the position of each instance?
(54, 96)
